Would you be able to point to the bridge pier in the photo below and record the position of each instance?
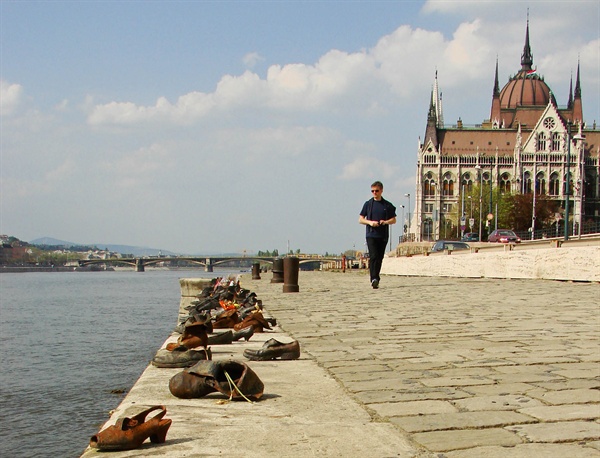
(208, 267)
(139, 265)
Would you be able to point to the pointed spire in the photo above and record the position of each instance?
(496, 112)
(437, 103)
(570, 102)
(577, 83)
(527, 56)
(577, 103)
(431, 116)
(496, 92)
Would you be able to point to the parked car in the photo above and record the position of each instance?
(470, 237)
(503, 236)
(451, 245)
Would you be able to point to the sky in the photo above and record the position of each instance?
(203, 127)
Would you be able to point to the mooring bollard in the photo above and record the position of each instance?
(256, 271)
(277, 271)
(291, 266)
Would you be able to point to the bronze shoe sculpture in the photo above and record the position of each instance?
(187, 358)
(130, 433)
(231, 378)
(221, 338)
(195, 335)
(273, 349)
(244, 333)
(227, 319)
(256, 320)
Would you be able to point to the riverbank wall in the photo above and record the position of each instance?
(579, 262)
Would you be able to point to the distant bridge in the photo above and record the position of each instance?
(208, 262)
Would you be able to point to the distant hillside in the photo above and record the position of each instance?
(126, 249)
(54, 242)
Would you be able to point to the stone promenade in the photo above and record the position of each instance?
(461, 367)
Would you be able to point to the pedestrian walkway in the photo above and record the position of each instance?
(421, 367)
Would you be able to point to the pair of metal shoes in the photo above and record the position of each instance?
(180, 354)
(176, 359)
(229, 377)
(130, 433)
(273, 349)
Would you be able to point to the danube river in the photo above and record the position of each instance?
(71, 344)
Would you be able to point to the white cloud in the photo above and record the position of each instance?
(251, 59)
(368, 168)
(357, 82)
(140, 167)
(10, 97)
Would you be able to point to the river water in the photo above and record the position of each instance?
(67, 340)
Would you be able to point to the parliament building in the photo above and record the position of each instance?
(528, 145)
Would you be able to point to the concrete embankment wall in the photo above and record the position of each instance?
(579, 263)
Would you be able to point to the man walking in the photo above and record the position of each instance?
(377, 214)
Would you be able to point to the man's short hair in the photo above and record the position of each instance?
(377, 184)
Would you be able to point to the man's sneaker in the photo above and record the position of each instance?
(375, 283)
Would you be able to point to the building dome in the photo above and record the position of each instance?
(525, 89)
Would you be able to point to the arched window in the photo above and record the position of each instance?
(448, 185)
(467, 181)
(555, 142)
(428, 185)
(504, 183)
(554, 189)
(486, 177)
(540, 184)
(527, 183)
(541, 142)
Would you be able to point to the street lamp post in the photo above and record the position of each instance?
(534, 194)
(580, 183)
(568, 184)
(402, 222)
(408, 196)
(434, 216)
(470, 208)
(478, 168)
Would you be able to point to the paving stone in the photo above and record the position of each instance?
(459, 420)
(569, 384)
(394, 409)
(500, 402)
(525, 377)
(564, 431)
(500, 389)
(419, 394)
(388, 384)
(440, 441)
(456, 381)
(581, 396)
(564, 412)
(579, 373)
(526, 451)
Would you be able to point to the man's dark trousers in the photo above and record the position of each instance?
(376, 248)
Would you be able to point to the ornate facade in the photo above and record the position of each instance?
(528, 143)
